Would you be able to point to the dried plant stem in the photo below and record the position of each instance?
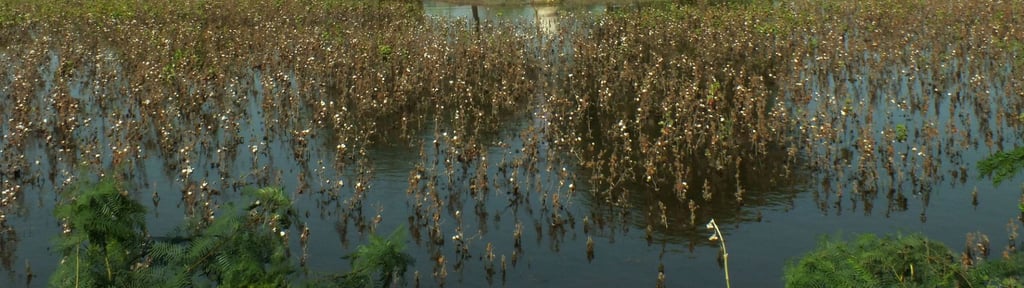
(725, 253)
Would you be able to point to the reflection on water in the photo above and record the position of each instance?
(544, 15)
(477, 200)
(936, 147)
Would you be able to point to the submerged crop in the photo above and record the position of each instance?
(507, 139)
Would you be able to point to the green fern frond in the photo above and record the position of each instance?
(870, 261)
(382, 258)
(242, 247)
(105, 236)
(1002, 165)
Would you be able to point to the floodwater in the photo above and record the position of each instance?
(782, 216)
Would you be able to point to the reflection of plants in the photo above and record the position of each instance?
(717, 236)
(102, 243)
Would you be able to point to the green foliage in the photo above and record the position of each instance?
(105, 245)
(115, 9)
(243, 247)
(1012, 47)
(1002, 165)
(869, 261)
(1001, 273)
(902, 261)
(384, 51)
(103, 241)
(901, 132)
(380, 263)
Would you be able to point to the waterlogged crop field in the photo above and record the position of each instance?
(587, 149)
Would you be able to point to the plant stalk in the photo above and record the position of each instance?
(78, 261)
(725, 252)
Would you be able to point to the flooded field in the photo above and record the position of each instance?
(521, 145)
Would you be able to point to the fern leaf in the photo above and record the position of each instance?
(1002, 165)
